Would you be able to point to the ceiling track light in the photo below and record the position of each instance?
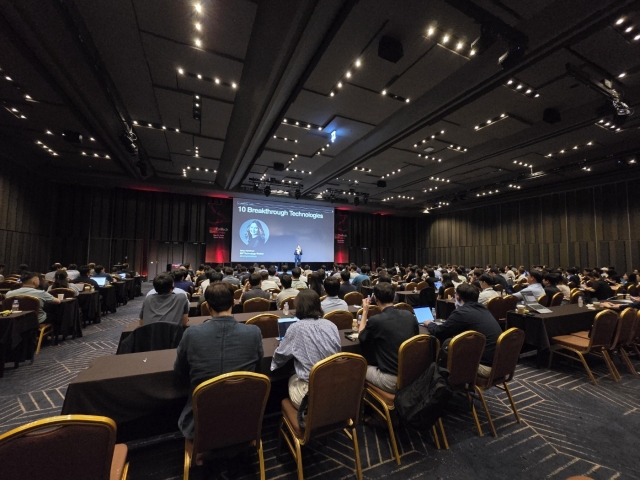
(385, 93)
(520, 163)
(569, 150)
(214, 80)
(292, 122)
(285, 139)
(430, 189)
(609, 126)
(627, 29)
(428, 138)
(447, 40)
(154, 126)
(522, 88)
(392, 173)
(198, 169)
(491, 121)
(438, 179)
(348, 74)
(427, 157)
(456, 148)
(368, 170)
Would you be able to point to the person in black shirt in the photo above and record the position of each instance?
(345, 285)
(383, 334)
(497, 278)
(550, 282)
(599, 288)
(469, 315)
(85, 278)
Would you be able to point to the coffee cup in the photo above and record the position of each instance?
(520, 309)
(61, 296)
(596, 303)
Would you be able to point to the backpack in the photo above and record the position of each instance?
(420, 404)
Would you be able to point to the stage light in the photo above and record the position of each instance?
(267, 191)
(297, 193)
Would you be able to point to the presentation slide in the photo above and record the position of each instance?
(266, 231)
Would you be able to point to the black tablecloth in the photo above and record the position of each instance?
(109, 301)
(137, 286)
(122, 296)
(17, 334)
(409, 297)
(444, 308)
(89, 303)
(238, 308)
(130, 288)
(65, 318)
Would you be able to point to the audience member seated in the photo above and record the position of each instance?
(287, 290)
(486, 284)
(61, 280)
(115, 275)
(499, 279)
(315, 283)
(166, 305)
(345, 284)
(297, 281)
(273, 277)
(357, 281)
(126, 269)
(253, 289)
(446, 283)
(333, 301)
(229, 278)
(31, 286)
(266, 283)
(599, 288)
(73, 272)
(535, 287)
(469, 315)
(212, 277)
(180, 282)
(2, 265)
(220, 345)
(550, 284)
(307, 341)
(383, 334)
(50, 275)
(100, 273)
(85, 278)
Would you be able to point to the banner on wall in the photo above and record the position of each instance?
(341, 230)
(218, 224)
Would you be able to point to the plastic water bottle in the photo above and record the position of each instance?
(433, 313)
(580, 301)
(16, 306)
(285, 309)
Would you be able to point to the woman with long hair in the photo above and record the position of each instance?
(254, 235)
(316, 281)
(61, 280)
(446, 283)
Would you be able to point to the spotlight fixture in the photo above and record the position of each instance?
(356, 201)
(491, 121)
(267, 191)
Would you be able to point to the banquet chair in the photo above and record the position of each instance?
(449, 292)
(353, 298)
(27, 302)
(556, 300)
(404, 306)
(237, 294)
(543, 300)
(516, 288)
(205, 311)
(267, 323)
(428, 297)
(463, 358)
(373, 310)
(227, 413)
(69, 446)
(152, 337)
(67, 292)
(414, 357)
(509, 302)
(498, 288)
(505, 360)
(290, 300)
(575, 294)
(410, 286)
(256, 305)
(336, 386)
(495, 306)
(343, 319)
(632, 290)
(421, 285)
(599, 341)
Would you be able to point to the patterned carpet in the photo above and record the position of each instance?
(569, 427)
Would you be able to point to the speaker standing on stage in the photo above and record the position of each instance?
(297, 255)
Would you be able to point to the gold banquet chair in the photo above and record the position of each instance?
(228, 412)
(64, 447)
(414, 357)
(341, 318)
(267, 323)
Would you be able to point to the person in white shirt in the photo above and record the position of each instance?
(333, 301)
(487, 293)
(287, 290)
(61, 280)
(50, 276)
(535, 286)
(73, 272)
(268, 284)
(508, 273)
(297, 280)
(273, 277)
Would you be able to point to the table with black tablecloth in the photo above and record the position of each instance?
(194, 310)
(65, 319)
(444, 308)
(121, 294)
(137, 286)
(17, 335)
(409, 296)
(130, 288)
(89, 302)
(109, 300)
(141, 393)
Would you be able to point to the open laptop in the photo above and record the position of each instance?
(423, 314)
(437, 285)
(532, 302)
(122, 275)
(283, 326)
(101, 281)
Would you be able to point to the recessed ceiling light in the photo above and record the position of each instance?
(180, 71)
(8, 79)
(198, 7)
(14, 110)
(358, 63)
(459, 46)
(198, 27)
(22, 116)
(135, 123)
(637, 37)
(339, 84)
(233, 85)
(407, 100)
(348, 74)
(430, 31)
(92, 139)
(331, 94)
(445, 39)
(217, 80)
(177, 129)
(199, 77)
(620, 20)
(384, 92)
(622, 75)
(628, 29)
(27, 97)
(472, 52)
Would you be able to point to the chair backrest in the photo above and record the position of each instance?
(506, 355)
(404, 306)
(290, 300)
(267, 323)
(256, 305)
(341, 318)
(465, 352)
(556, 299)
(410, 286)
(604, 327)
(414, 357)
(152, 337)
(632, 290)
(228, 410)
(543, 300)
(67, 292)
(353, 298)
(509, 303)
(421, 285)
(69, 446)
(336, 385)
(373, 310)
(322, 298)
(395, 278)
(495, 305)
(237, 294)
(516, 288)
(26, 302)
(498, 287)
(575, 294)
(449, 292)
(205, 310)
(626, 327)
(8, 284)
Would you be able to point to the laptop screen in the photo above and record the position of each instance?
(529, 298)
(122, 275)
(100, 280)
(437, 285)
(351, 280)
(284, 324)
(423, 314)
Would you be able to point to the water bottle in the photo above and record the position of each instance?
(580, 301)
(16, 306)
(285, 309)
(433, 313)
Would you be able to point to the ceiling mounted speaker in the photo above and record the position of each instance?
(381, 183)
(278, 167)
(551, 115)
(390, 49)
